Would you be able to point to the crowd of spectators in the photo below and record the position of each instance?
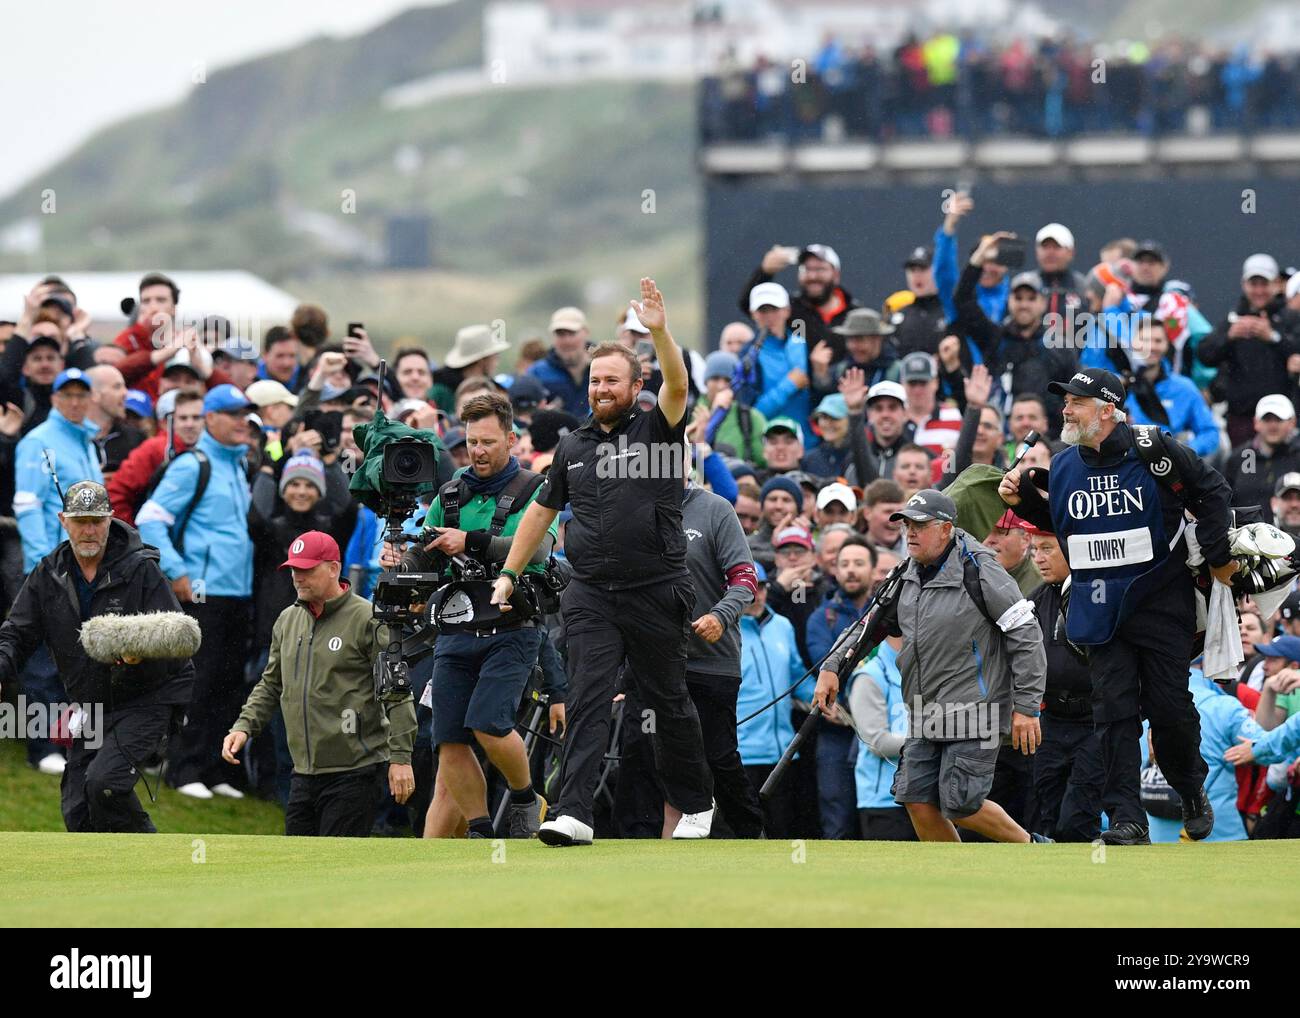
(972, 85)
(817, 415)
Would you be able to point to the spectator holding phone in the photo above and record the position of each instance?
(821, 303)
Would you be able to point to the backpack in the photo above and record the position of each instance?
(205, 474)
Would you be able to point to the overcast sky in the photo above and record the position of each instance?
(72, 66)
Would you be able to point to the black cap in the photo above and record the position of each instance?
(920, 256)
(526, 392)
(549, 426)
(1153, 248)
(454, 438)
(927, 504)
(43, 340)
(1290, 609)
(56, 300)
(1093, 382)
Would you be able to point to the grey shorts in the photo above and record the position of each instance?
(956, 775)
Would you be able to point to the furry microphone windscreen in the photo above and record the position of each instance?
(110, 638)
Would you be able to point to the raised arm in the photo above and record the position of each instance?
(676, 385)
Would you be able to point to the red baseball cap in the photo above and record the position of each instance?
(793, 535)
(1010, 521)
(310, 550)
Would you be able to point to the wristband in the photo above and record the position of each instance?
(514, 576)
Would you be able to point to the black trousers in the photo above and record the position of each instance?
(1013, 785)
(1068, 779)
(217, 696)
(1142, 672)
(887, 824)
(339, 805)
(780, 808)
(715, 700)
(98, 789)
(648, 627)
(640, 797)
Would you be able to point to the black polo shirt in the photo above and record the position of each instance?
(625, 489)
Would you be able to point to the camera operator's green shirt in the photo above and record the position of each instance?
(476, 514)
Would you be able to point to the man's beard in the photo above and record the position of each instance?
(87, 549)
(1079, 434)
(613, 412)
(818, 293)
(573, 360)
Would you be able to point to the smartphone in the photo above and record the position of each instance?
(966, 187)
(1011, 253)
(354, 329)
(645, 348)
(792, 254)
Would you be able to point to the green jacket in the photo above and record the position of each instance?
(320, 675)
(475, 518)
(730, 433)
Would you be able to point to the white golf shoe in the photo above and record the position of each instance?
(51, 763)
(227, 790)
(694, 825)
(565, 831)
(195, 790)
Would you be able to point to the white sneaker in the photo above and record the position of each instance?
(228, 790)
(565, 831)
(51, 763)
(195, 790)
(695, 825)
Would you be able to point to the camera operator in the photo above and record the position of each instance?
(631, 596)
(482, 665)
(320, 674)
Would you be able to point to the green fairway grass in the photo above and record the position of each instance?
(29, 801)
(233, 880)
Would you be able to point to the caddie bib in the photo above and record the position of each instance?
(1111, 528)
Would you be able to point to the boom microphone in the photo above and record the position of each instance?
(1031, 439)
(148, 636)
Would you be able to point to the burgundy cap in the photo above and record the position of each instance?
(793, 535)
(310, 550)
(1010, 521)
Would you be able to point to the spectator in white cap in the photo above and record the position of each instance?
(1293, 292)
(1062, 285)
(564, 370)
(820, 302)
(1255, 467)
(1254, 346)
(773, 375)
(275, 405)
(888, 431)
(630, 331)
(836, 503)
